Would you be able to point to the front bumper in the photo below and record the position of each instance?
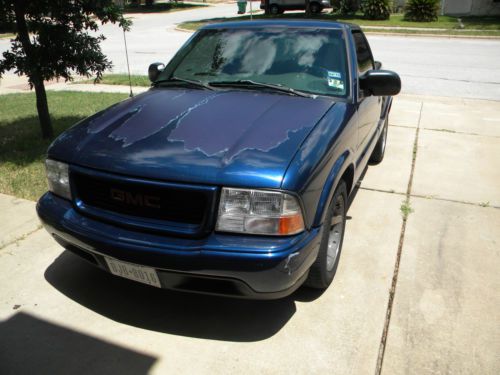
(222, 264)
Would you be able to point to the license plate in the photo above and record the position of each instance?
(145, 275)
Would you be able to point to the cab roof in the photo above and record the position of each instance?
(302, 23)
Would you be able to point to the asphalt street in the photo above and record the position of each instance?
(465, 68)
(456, 67)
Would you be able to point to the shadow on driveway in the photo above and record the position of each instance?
(29, 345)
(185, 314)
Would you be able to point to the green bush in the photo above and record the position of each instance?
(422, 10)
(345, 7)
(376, 9)
(7, 22)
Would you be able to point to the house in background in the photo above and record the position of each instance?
(464, 7)
(471, 7)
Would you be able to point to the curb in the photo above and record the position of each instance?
(178, 28)
(433, 35)
(382, 33)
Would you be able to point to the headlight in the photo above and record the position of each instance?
(58, 178)
(259, 212)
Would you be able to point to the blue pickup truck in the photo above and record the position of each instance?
(232, 174)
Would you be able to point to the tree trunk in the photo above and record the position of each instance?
(42, 106)
(308, 8)
(267, 9)
(35, 78)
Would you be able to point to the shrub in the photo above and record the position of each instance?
(345, 7)
(7, 22)
(376, 9)
(422, 10)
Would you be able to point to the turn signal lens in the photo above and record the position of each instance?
(259, 212)
(291, 224)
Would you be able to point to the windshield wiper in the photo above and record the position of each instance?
(248, 82)
(191, 82)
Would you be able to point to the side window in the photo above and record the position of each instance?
(363, 53)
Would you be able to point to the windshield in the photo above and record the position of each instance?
(307, 60)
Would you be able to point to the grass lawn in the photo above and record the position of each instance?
(471, 33)
(160, 8)
(487, 25)
(7, 35)
(22, 151)
(121, 79)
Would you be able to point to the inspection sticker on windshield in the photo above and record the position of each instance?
(334, 74)
(335, 80)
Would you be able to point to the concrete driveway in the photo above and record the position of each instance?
(413, 296)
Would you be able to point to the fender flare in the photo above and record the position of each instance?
(331, 182)
(386, 107)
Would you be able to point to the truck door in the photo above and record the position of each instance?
(369, 108)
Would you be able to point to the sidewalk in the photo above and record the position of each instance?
(13, 84)
(411, 296)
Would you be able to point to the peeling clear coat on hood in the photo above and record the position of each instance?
(230, 138)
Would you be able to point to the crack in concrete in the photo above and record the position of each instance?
(22, 237)
(483, 205)
(382, 191)
(459, 132)
(403, 126)
(446, 131)
(452, 79)
(392, 292)
(431, 197)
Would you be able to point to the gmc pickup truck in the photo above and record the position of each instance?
(232, 174)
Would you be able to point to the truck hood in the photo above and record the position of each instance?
(235, 138)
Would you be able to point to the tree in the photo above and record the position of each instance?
(53, 40)
(345, 7)
(376, 9)
(421, 10)
(267, 8)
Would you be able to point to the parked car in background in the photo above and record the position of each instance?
(232, 175)
(280, 6)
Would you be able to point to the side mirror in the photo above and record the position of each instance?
(380, 83)
(378, 65)
(155, 70)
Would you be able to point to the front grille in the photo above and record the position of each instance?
(142, 200)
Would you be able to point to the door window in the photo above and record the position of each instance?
(363, 53)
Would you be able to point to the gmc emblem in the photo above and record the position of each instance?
(138, 199)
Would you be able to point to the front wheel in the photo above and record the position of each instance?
(323, 270)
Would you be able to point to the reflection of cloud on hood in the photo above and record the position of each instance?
(306, 46)
(177, 154)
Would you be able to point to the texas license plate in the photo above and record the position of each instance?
(145, 275)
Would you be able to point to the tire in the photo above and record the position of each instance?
(315, 8)
(274, 9)
(323, 270)
(378, 152)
